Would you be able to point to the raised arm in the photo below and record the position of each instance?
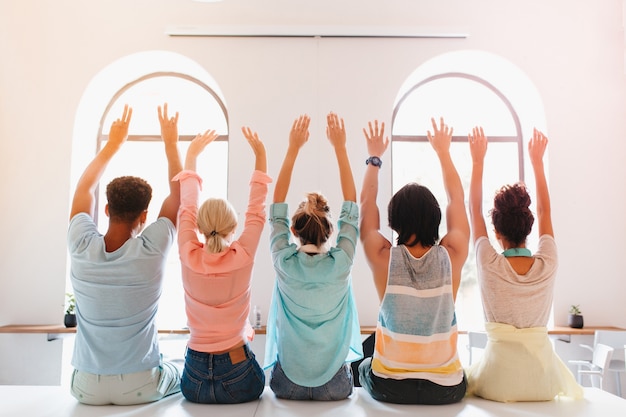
(84, 195)
(336, 134)
(197, 145)
(298, 136)
(375, 245)
(478, 149)
(169, 133)
(457, 236)
(257, 147)
(536, 149)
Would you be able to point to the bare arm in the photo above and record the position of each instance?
(169, 133)
(298, 136)
(336, 133)
(84, 196)
(456, 239)
(536, 149)
(478, 149)
(375, 245)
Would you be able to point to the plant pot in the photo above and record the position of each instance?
(70, 320)
(575, 321)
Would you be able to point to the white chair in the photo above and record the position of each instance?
(477, 340)
(597, 368)
(615, 339)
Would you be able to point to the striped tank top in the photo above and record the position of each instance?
(416, 334)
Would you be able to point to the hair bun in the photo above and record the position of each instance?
(315, 205)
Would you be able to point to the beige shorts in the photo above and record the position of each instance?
(126, 389)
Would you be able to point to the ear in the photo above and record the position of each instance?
(143, 216)
(293, 232)
(106, 210)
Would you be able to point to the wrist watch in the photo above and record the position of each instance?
(374, 160)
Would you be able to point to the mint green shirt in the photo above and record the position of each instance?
(313, 326)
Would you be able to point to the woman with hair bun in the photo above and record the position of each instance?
(517, 286)
(219, 365)
(313, 329)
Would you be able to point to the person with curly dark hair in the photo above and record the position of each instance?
(517, 287)
(117, 278)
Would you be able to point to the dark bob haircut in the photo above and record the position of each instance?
(414, 214)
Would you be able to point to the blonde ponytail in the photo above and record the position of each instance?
(216, 220)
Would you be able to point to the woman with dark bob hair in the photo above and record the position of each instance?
(517, 286)
(415, 358)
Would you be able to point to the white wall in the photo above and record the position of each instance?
(573, 50)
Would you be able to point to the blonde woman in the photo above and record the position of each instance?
(219, 365)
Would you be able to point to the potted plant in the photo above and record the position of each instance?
(70, 309)
(575, 319)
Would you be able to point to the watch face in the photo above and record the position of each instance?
(374, 160)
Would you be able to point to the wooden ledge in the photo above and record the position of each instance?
(60, 329)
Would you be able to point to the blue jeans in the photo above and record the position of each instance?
(338, 388)
(408, 391)
(229, 378)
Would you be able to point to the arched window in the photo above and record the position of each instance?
(465, 96)
(164, 78)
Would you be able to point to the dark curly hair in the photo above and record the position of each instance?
(311, 221)
(128, 197)
(511, 216)
(413, 211)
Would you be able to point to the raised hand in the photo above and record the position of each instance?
(119, 128)
(377, 143)
(169, 126)
(257, 147)
(196, 147)
(299, 134)
(440, 140)
(335, 130)
(478, 144)
(537, 147)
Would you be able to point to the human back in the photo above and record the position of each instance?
(415, 360)
(220, 367)
(117, 278)
(313, 328)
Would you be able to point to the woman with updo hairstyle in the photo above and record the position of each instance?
(313, 330)
(511, 215)
(220, 368)
(517, 287)
(311, 222)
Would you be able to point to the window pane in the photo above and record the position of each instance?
(462, 102)
(198, 110)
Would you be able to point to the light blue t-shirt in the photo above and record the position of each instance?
(117, 296)
(313, 326)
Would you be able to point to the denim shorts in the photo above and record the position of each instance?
(408, 391)
(338, 388)
(228, 378)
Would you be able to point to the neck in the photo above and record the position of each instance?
(117, 234)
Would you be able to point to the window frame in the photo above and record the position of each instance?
(518, 138)
(101, 138)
